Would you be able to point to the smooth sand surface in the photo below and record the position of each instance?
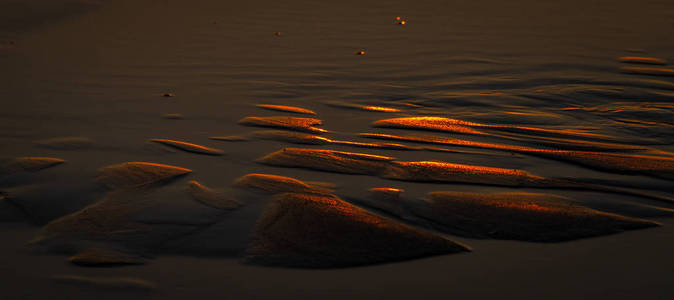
(85, 81)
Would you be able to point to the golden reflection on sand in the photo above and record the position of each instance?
(291, 123)
(189, 147)
(323, 231)
(648, 71)
(286, 108)
(531, 217)
(459, 126)
(642, 60)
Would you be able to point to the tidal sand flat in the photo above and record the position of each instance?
(336, 149)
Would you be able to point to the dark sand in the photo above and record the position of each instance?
(84, 81)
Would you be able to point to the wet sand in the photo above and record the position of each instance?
(574, 92)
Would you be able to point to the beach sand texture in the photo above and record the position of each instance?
(338, 149)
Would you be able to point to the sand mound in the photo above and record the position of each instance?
(328, 160)
(212, 198)
(138, 221)
(642, 60)
(520, 216)
(115, 283)
(134, 174)
(66, 143)
(310, 139)
(387, 146)
(648, 71)
(657, 166)
(291, 137)
(173, 116)
(363, 107)
(29, 164)
(274, 184)
(629, 209)
(459, 126)
(432, 171)
(189, 147)
(99, 257)
(229, 138)
(290, 123)
(320, 231)
(292, 109)
(552, 143)
(429, 123)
